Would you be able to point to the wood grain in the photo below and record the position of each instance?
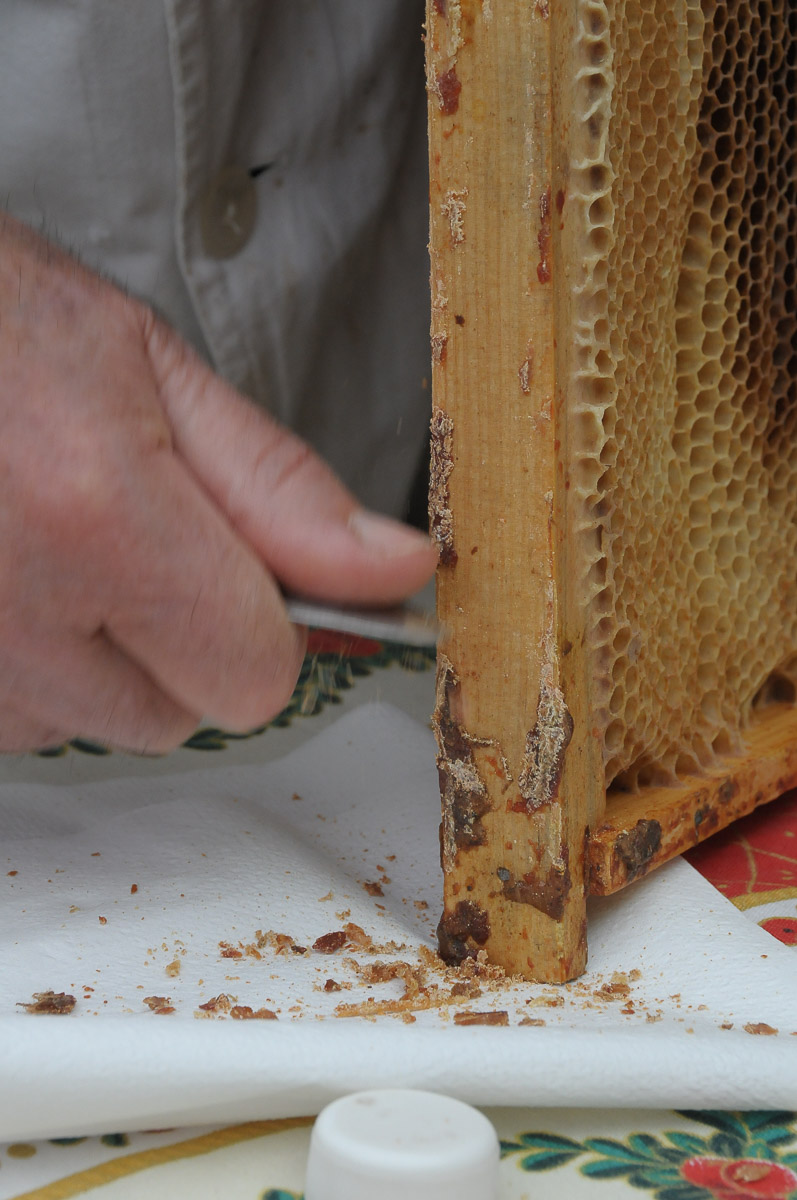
(512, 761)
(642, 831)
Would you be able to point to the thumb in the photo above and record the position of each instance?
(283, 499)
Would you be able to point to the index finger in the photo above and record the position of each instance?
(287, 503)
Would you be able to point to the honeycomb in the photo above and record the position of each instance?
(684, 468)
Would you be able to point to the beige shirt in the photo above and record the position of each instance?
(256, 170)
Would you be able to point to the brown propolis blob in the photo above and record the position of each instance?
(330, 943)
(636, 847)
(464, 795)
(461, 932)
(546, 892)
(448, 88)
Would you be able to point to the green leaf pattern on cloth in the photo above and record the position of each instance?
(333, 663)
(739, 1160)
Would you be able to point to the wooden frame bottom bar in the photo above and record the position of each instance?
(644, 830)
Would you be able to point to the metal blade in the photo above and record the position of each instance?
(406, 624)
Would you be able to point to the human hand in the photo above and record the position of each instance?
(148, 512)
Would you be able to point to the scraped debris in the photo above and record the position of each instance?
(453, 208)
(160, 1005)
(280, 943)
(441, 520)
(217, 1005)
(492, 1017)
(49, 1003)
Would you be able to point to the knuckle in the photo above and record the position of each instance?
(73, 504)
(170, 358)
(95, 498)
(88, 492)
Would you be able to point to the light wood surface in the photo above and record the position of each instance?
(642, 831)
(512, 768)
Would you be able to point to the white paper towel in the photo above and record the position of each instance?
(182, 866)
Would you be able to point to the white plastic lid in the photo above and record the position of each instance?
(398, 1144)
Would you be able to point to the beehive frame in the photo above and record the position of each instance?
(614, 348)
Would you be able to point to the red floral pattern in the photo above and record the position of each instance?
(742, 1179)
(783, 928)
(347, 645)
(754, 861)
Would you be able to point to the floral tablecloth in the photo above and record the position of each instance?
(564, 1152)
(546, 1154)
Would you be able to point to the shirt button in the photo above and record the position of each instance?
(227, 212)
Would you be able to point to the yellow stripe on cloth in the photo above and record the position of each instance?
(754, 899)
(118, 1168)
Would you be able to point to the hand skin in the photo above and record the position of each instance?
(148, 511)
